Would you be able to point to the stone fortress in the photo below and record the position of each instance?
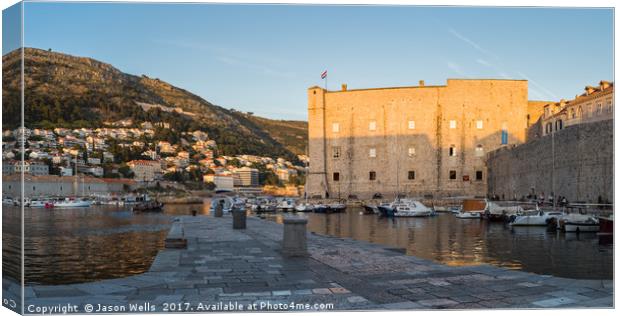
(419, 140)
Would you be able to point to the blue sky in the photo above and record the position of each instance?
(263, 58)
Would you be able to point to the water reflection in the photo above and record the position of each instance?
(458, 242)
(79, 245)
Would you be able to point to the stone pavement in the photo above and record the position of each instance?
(235, 268)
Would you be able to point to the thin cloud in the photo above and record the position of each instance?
(483, 62)
(471, 43)
(228, 57)
(547, 92)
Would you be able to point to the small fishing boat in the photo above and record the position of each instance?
(472, 209)
(304, 207)
(495, 212)
(469, 215)
(320, 208)
(148, 206)
(455, 209)
(578, 223)
(411, 208)
(8, 201)
(286, 205)
(336, 207)
(536, 218)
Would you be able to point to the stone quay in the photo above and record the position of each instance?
(247, 267)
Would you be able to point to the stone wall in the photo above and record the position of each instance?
(583, 165)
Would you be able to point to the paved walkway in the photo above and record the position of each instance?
(236, 268)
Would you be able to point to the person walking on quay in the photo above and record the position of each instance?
(219, 209)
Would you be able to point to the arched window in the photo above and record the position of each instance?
(572, 113)
(580, 112)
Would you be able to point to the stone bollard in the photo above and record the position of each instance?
(294, 239)
(239, 218)
(219, 211)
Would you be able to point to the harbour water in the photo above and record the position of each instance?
(80, 245)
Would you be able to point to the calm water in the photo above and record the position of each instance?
(453, 241)
(79, 245)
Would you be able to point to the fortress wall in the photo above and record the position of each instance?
(498, 103)
(583, 165)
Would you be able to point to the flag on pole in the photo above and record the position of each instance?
(324, 74)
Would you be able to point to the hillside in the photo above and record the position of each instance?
(68, 91)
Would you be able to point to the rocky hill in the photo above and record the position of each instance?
(69, 91)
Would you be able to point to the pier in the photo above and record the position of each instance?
(221, 265)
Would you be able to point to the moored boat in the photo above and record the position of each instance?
(148, 206)
(304, 207)
(72, 203)
(370, 209)
(320, 208)
(469, 215)
(336, 207)
(411, 208)
(578, 223)
(537, 218)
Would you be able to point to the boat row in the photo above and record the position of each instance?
(65, 202)
(268, 204)
(516, 215)
(140, 202)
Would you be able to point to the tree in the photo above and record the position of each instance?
(210, 186)
(126, 171)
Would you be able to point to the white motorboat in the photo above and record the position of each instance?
(72, 203)
(411, 208)
(539, 218)
(578, 223)
(36, 203)
(304, 207)
(455, 209)
(285, 205)
(469, 215)
(8, 201)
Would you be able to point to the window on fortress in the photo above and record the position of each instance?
(452, 151)
(572, 113)
(336, 152)
(452, 174)
(478, 175)
(479, 124)
(452, 124)
(372, 153)
(411, 175)
(599, 109)
(335, 127)
(411, 124)
(479, 151)
(336, 176)
(372, 126)
(411, 152)
(609, 106)
(372, 176)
